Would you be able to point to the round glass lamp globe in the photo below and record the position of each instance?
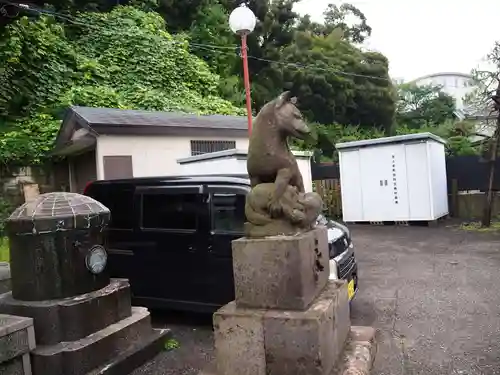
(242, 20)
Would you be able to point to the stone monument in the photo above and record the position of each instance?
(83, 320)
(17, 339)
(4, 277)
(288, 318)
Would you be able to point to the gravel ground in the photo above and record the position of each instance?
(431, 292)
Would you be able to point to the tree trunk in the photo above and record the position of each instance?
(488, 204)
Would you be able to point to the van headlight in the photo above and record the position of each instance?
(333, 270)
(96, 259)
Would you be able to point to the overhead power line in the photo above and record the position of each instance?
(221, 49)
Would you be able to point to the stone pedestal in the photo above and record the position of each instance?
(287, 318)
(277, 342)
(17, 339)
(84, 322)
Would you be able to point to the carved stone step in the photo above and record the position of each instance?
(81, 356)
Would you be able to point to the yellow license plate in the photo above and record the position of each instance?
(350, 289)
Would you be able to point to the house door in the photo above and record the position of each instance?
(83, 170)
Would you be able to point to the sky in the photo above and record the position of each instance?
(425, 36)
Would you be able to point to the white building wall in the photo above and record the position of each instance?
(455, 85)
(152, 155)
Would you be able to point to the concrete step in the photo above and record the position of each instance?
(136, 355)
(81, 356)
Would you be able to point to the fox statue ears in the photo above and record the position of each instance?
(285, 98)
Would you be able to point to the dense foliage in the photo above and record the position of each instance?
(124, 58)
(327, 96)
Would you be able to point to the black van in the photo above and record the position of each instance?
(171, 237)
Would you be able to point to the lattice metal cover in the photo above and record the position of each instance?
(58, 211)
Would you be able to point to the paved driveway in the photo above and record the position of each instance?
(434, 294)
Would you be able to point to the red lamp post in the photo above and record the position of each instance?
(242, 21)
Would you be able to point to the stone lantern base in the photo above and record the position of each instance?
(93, 333)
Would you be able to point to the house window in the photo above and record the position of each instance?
(117, 167)
(204, 147)
(228, 212)
(170, 211)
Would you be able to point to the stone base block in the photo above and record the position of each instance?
(90, 353)
(359, 353)
(282, 272)
(357, 357)
(17, 366)
(275, 342)
(73, 318)
(17, 337)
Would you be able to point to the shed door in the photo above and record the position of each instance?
(350, 181)
(383, 177)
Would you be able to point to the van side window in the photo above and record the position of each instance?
(228, 212)
(120, 202)
(170, 211)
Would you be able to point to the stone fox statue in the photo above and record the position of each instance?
(269, 156)
(277, 203)
(299, 211)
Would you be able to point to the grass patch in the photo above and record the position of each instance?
(4, 250)
(475, 226)
(171, 344)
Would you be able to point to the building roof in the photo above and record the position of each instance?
(233, 154)
(442, 74)
(406, 138)
(113, 121)
(126, 117)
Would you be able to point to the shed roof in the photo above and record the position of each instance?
(137, 122)
(124, 117)
(390, 140)
(232, 154)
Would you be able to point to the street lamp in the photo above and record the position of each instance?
(242, 21)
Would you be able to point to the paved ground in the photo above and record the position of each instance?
(432, 292)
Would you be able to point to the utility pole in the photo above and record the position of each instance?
(486, 220)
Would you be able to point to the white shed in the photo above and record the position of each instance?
(401, 178)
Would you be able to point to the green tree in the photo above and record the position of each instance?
(336, 18)
(339, 83)
(421, 105)
(486, 100)
(211, 27)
